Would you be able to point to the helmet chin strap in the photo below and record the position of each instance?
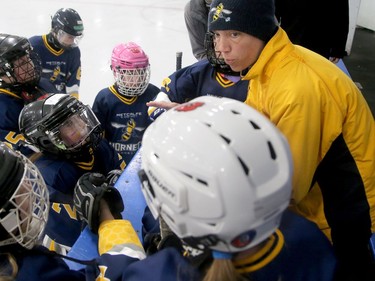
(245, 71)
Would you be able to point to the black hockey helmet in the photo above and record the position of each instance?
(27, 71)
(20, 179)
(60, 125)
(67, 29)
(214, 58)
(68, 20)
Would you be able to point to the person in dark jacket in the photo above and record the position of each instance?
(321, 26)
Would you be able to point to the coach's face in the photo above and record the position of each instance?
(239, 50)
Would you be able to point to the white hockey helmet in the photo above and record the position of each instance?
(131, 69)
(218, 172)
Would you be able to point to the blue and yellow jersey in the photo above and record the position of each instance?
(124, 119)
(62, 68)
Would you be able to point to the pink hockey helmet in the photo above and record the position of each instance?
(131, 69)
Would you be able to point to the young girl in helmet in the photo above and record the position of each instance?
(121, 108)
(71, 143)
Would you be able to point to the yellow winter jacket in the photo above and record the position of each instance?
(330, 130)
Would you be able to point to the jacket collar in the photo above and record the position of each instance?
(273, 53)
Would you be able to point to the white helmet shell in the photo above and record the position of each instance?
(216, 167)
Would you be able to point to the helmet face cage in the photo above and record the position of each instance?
(20, 66)
(25, 215)
(131, 69)
(27, 69)
(214, 57)
(238, 180)
(132, 82)
(68, 28)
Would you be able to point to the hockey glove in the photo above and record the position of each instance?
(89, 190)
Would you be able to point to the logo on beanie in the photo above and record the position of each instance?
(220, 12)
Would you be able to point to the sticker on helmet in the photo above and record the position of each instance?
(189, 106)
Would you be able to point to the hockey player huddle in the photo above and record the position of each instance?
(221, 144)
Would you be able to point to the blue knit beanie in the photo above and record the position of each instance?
(254, 17)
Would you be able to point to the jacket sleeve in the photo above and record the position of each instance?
(119, 247)
(298, 118)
